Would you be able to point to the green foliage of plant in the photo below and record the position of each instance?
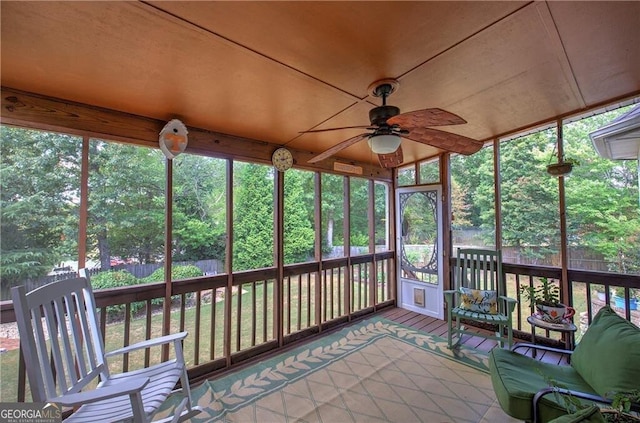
(113, 279)
(116, 279)
(299, 233)
(622, 401)
(253, 216)
(39, 174)
(618, 412)
(546, 293)
(177, 273)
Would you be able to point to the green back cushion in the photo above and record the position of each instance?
(608, 356)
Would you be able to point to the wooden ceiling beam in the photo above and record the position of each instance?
(51, 114)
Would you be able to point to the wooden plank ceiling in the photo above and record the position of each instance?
(268, 70)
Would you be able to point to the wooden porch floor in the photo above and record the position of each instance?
(439, 327)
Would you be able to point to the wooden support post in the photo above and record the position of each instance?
(445, 179)
(228, 265)
(168, 228)
(279, 258)
(371, 216)
(565, 286)
(497, 192)
(346, 231)
(84, 204)
(317, 203)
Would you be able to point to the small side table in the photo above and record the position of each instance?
(568, 328)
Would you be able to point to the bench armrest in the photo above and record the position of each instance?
(541, 347)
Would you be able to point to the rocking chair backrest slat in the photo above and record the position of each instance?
(89, 325)
(60, 324)
(62, 354)
(76, 334)
(479, 269)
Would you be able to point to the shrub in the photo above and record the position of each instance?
(177, 272)
(116, 279)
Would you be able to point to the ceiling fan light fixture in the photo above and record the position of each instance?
(384, 144)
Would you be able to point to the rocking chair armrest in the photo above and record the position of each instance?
(124, 388)
(541, 347)
(511, 302)
(508, 299)
(449, 295)
(161, 340)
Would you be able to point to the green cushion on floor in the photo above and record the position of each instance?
(608, 355)
(516, 378)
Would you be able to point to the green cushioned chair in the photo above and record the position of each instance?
(607, 359)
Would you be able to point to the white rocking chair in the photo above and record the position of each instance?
(65, 368)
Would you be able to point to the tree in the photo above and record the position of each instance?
(126, 202)
(253, 216)
(332, 200)
(299, 233)
(39, 201)
(199, 208)
(530, 198)
(602, 199)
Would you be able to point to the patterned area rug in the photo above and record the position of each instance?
(372, 371)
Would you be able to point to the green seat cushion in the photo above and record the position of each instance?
(608, 356)
(586, 415)
(516, 378)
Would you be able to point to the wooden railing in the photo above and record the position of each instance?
(582, 295)
(231, 318)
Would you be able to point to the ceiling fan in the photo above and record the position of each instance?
(389, 126)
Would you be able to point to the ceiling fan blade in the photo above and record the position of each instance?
(425, 117)
(337, 129)
(444, 140)
(340, 146)
(391, 160)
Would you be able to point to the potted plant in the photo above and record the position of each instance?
(563, 167)
(545, 297)
(618, 298)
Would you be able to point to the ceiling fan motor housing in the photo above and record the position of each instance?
(379, 115)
